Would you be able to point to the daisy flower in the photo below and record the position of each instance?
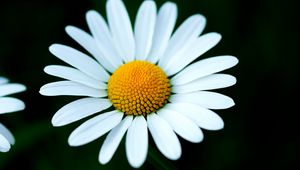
(8, 105)
(140, 78)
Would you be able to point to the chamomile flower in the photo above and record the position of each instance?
(8, 105)
(138, 79)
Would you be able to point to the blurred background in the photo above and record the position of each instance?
(261, 131)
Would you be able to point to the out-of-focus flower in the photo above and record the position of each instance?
(8, 105)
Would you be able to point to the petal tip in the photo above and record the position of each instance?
(46, 69)
(6, 149)
(136, 165)
(55, 123)
(231, 103)
(22, 106)
(236, 60)
(217, 36)
(71, 141)
(68, 28)
(53, 48)
(103, 160)
(91, 14)
(220, 126)
(171, 4)
(176, 156)
(42, 91)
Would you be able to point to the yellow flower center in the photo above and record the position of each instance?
(138, 88)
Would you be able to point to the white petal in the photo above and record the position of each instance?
(164, 26)
(121, 29)
(204, 118)
(204, 68)
(210, 100)
(103, 38)
(113, 140)
(9, 104)
(7, 134)
(4, 144)
(3, 80)
(183, 126)
(199, 46)
(70, 88)
(80, 61)
(74, 75)
(164, 137)
(88, 43)
(95, 128)
(137, 142)
(11, 88)
(211, 82)
(79, 109)
(144, 29)
(183, 37)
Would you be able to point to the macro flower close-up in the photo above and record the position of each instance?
(8, 105)
(141, 80)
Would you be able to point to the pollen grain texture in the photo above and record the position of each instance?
(138, 88)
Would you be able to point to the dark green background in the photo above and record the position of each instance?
(261, 131)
